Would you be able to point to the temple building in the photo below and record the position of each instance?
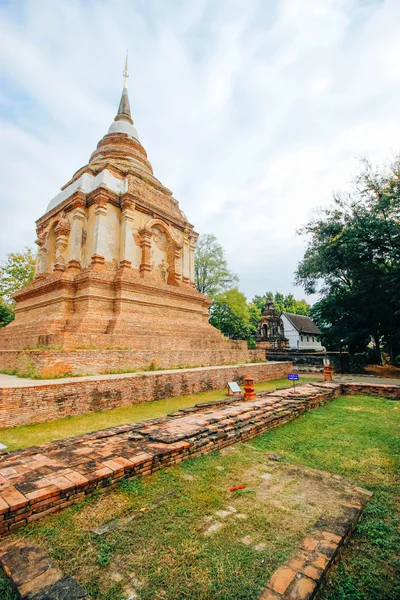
(302, 332)
(115, 263)
(270, 330)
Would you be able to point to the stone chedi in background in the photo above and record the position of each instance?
(270, 331)
(115, 264)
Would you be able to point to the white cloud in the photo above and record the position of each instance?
(251, 112)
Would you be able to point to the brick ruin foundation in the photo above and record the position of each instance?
(42, 480)
(37, 577)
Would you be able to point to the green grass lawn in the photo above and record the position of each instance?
(32, 435)
(166, 552)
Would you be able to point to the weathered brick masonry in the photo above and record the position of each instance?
(383, 390)
(35, 576)
(41, 480)
(46, 401)
(51, 363)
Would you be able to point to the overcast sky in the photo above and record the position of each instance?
(251, 111)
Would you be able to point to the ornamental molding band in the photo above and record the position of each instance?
(115, 262)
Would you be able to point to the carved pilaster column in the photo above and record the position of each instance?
(62, 232)
(178, 261)
(41, 261)
(126, 238)
(192, 245)
(186, 259)
(78, 220)
(99, 237)
(145, 244)
(41, 258)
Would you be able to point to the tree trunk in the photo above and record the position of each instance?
(376, 337)
(391, 349)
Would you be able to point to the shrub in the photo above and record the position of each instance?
(357, 363)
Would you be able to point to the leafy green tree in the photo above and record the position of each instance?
(6, 315)
(212, 275)
(15, 273)
(255, 315)
(230, 314)
(353, 260)
(340, 324)
(283, 303)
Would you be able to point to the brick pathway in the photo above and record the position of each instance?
(41, 480)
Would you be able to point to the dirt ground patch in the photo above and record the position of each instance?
(383, 371)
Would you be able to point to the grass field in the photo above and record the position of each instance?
(176, 550)
(32, 435)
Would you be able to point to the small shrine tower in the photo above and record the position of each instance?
(270, 331)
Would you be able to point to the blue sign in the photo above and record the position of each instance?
(293, 376)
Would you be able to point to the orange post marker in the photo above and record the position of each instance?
(327, 372)
(249, 393)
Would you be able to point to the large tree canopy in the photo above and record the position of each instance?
(231, 314)
(15, 273)
(6, 315)
(211, 268)
(353, 260)
(283, 303)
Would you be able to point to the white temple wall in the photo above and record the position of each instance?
(103, 230)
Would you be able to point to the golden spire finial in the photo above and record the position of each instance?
(126, 72)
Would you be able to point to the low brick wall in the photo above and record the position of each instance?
(41, 480)
(311, 362)
(392, 392)
(53, 363)
(45, 401)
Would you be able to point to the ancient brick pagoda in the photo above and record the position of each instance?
(115, 265)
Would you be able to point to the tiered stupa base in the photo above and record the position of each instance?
(98, 322)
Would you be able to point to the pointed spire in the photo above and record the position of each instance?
(126, 71)
(269, 305)
(124, 110)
